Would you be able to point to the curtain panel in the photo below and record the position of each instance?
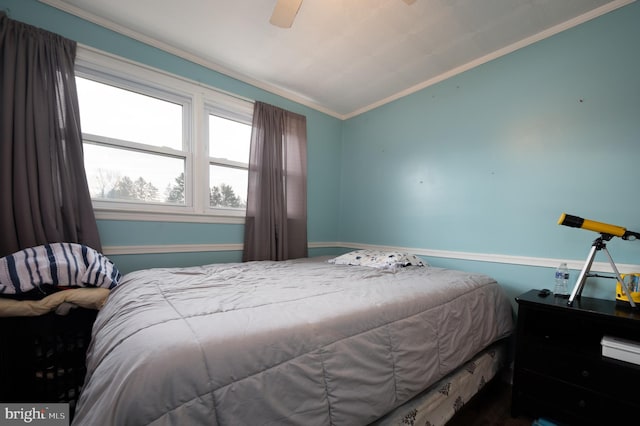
(44, 196)
(276, 222)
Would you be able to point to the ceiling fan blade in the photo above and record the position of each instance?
(285, 12)
(409, 1)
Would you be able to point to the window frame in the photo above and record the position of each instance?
(238, 116)
(198, 101)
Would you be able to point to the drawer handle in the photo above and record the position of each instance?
(582, 403)
(585, 374)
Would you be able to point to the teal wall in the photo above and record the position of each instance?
(484, 162)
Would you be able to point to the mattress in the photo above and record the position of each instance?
(440, 402)
(275, 343)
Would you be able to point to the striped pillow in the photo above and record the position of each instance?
(56, 264)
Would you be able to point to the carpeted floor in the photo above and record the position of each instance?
(491, 407)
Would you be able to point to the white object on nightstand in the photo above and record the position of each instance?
(621, 349)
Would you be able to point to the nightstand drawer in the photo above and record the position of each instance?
(544, 396)
(549, 329)
(595, 373)
(562, 364)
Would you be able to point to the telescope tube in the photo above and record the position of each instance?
(592, 225)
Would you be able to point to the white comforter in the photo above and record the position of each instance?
(297, 342)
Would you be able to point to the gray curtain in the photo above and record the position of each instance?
(276, 223)
(44, 196)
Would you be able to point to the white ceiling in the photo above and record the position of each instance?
(342, 57)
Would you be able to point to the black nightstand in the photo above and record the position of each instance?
(42, 358)
(559, 370)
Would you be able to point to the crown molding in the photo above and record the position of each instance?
(295, 97)
(609, 7)
(120, 29)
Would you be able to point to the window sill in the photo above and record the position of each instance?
(189, 217)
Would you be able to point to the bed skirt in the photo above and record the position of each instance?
(438, 404)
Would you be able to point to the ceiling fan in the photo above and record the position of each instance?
(285, 12)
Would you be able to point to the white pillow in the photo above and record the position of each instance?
(378, 259)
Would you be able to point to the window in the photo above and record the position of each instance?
(160, 147)
(133, 144)
(229, 143)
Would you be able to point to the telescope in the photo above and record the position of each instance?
(602, 228)
(607, 232)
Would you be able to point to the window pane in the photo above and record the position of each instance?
(122, 114)
(228, 187)
(229, 139)
(119, 174)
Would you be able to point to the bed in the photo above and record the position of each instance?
(305, 342)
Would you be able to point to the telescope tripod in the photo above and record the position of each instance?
(598, 244)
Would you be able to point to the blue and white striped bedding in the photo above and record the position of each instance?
(57, 265)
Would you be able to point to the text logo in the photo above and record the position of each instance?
(34, 414)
